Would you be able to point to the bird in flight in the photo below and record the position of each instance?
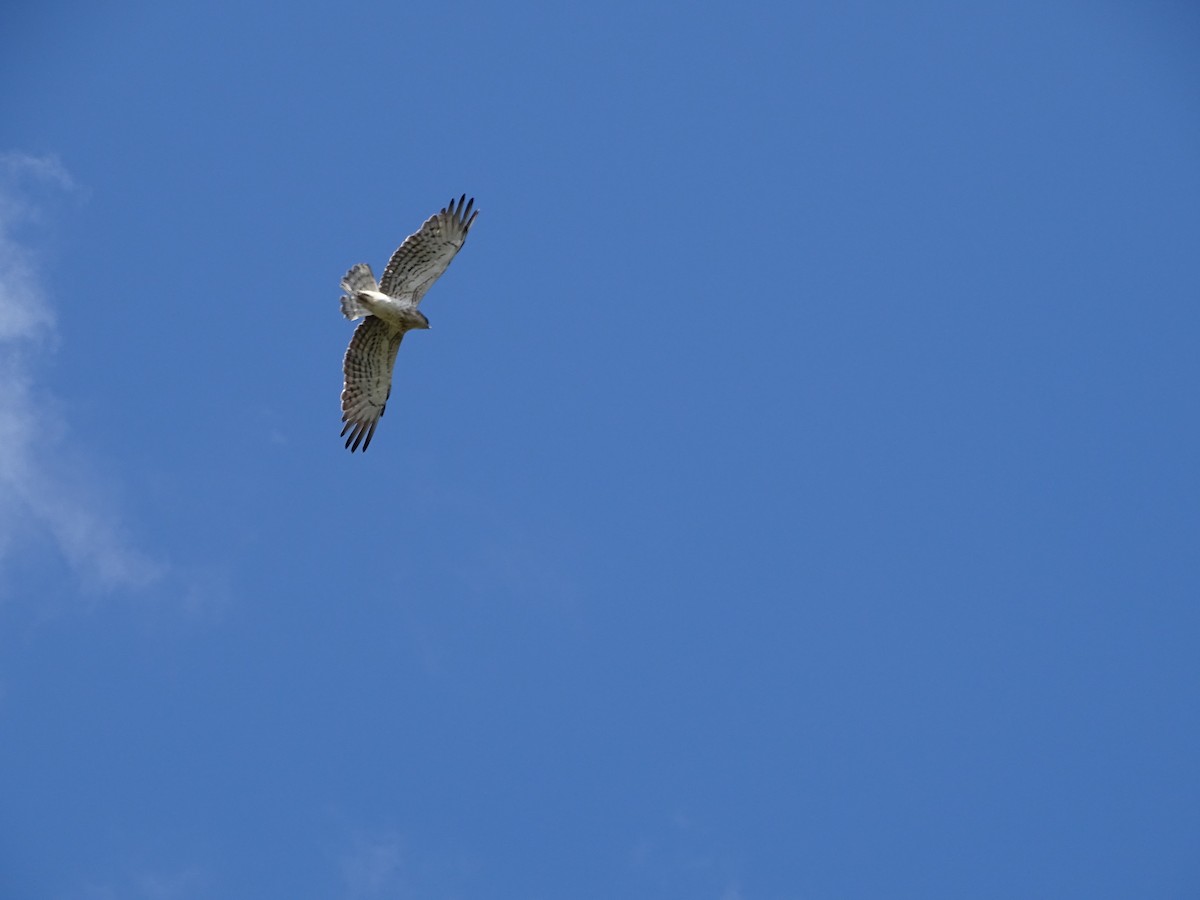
(390, 308)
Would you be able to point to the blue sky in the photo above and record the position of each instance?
(796, 495)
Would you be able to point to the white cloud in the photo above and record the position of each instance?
(373, 868)
(46, 491)
(679, 853)
(171, 886)
(179, 885)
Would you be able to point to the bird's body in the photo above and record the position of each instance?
(390, 310)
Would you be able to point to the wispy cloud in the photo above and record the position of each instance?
(385, 863)
(680, 852)
(157, 885)
(46, 491)
(374, 866)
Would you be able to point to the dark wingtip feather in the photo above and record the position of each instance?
(357, 430)
(466, 214)
(460, 209)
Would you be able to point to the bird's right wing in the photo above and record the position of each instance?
(368, 369)
(424, 256)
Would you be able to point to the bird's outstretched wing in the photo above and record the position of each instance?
(424, 256)
(368, 368)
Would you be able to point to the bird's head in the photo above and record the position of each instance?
(414, 318)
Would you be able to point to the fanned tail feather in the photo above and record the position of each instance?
(358, 279)
(352, 309)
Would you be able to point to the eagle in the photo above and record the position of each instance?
(390, 308)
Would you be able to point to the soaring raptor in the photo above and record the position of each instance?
(390, 308)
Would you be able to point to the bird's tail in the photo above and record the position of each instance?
(359, 278)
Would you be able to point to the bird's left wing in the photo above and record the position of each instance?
(424, 256)
(368, 369)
